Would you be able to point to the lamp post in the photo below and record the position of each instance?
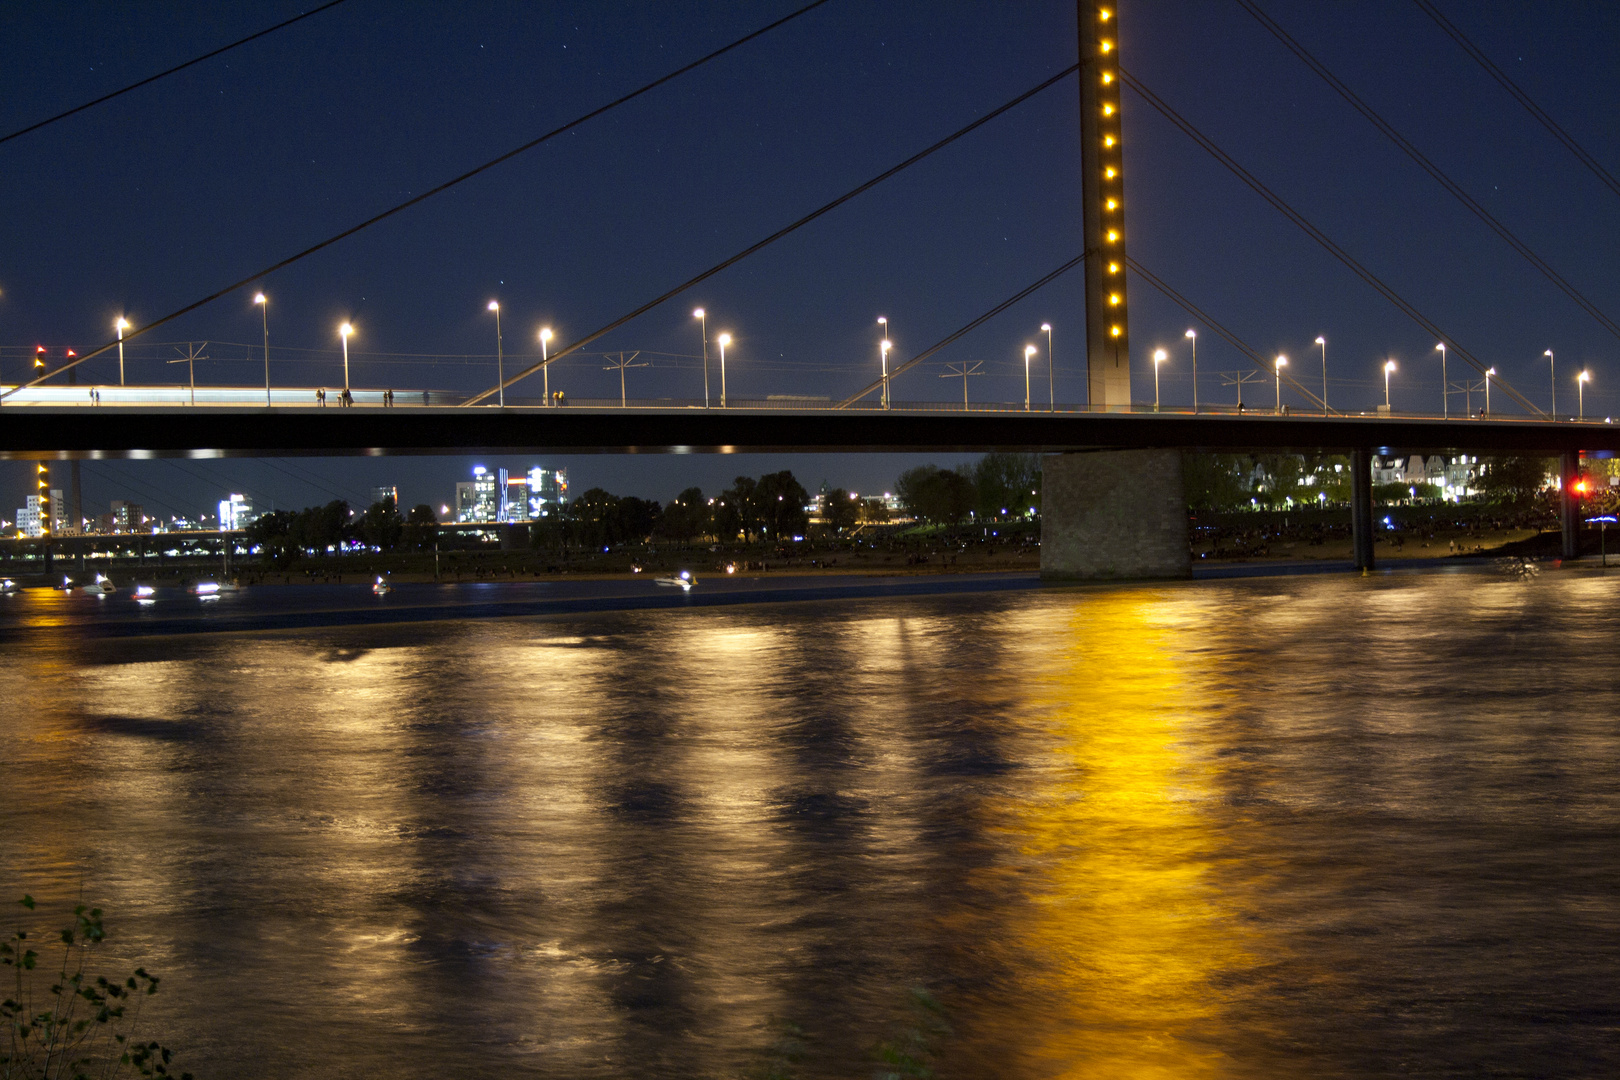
(1159, 357)
(723, 340)
(264, 320)
(1192, 336)
(1580, 389)
(1322, 341)
(1029, 351)
(343, 332)
(1445, 389)
(1488, 373)
(500, 359)
(703, 326)
(1281, 362)
(121, 325)
(883, 355)
(545, 364)
(1389, 366)
(1552, 378)
(1051, 378)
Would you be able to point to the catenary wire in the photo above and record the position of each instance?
(779, 234)
(398, 207)
(1355, 267)
(1430, 167)
(165, 74)
(1519, 95)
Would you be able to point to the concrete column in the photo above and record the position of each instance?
(1114, 514)
(1361, 508)
(1569, 503)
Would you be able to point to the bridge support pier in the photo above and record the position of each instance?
(1361, 508)
(1112, 515)
(1569, 503)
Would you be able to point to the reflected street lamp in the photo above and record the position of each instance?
(545, 365)
(1281, 362)
(121, 325)
(500, 359)
(1159, 357)
(343, 332)
(1029, 351)
(264, 320)
(723, 340)
(1389, 366)
(703, 324)
(1580, 389)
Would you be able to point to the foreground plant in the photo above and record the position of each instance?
(80, 1027)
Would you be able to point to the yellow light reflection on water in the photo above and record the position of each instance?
(1128, 926)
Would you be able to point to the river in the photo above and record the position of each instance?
(1327, 826)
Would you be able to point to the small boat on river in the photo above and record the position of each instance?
(684, 580)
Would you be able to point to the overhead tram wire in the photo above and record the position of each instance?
(408, 203)
(872, 388)
(774, 237)
(1430, 167)
(1519, 95)
(165, 74)
(1355, 267)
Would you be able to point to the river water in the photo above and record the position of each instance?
(1323, 826)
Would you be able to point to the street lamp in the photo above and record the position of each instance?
(121, 325)
(723, 340)
(500, 360)
(1552, 377)
(1580, 389)
(1051, 379)
(264, 320)
(883, 354)
(703, 325)
(1281, 362)
(1192, 336)
(1445, 390)
(545, 365)
(343, 332)
(1322, 341)
(1159, 357)
(1488, 373)
(1029, 351)
(1389, 366)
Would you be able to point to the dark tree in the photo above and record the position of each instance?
(686, 516)
(381, 526)
(737, 509)
(1007, 485)
(935, 495)
(1513, 477)
(272, 535)
(780, 500)
(841, 511)
(421, 526)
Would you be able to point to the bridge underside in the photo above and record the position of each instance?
(44, 433)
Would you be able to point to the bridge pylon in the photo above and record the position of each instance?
(1102, 164)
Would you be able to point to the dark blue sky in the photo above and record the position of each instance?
(146, 203)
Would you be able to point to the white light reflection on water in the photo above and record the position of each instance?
(1336, 827)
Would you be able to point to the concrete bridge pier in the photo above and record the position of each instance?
(1361, 508)
(1114, 515)
(1569, 503)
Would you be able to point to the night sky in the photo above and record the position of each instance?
(164, 195)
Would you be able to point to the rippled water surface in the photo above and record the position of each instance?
(1329, 827)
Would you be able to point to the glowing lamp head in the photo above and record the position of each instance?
(345, 330)
(1585, 376)
(494, 305)
(1282, 362)
(698, 313)
(1192, 333)
(545, 334)
(1029, 351)
(1489, 372)
(724, 339)
(886, 345)
(1547, 353)
(1046, 328)
(258, 298)
(1160, 356)
(122, 324)
(883, 320)
(1440, 347)
(1389, 365)
(1321, 341)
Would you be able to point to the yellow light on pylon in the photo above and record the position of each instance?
(1113, 235)
(1108, 140)
(1113, 298)
(1113, 205)
(1109, 172)
(1108, 110)
(1113, 268)
(1107, 78)
(1117, 331)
